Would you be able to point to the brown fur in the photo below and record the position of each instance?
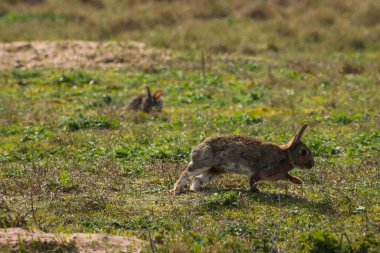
(147, 102)
(248, 156)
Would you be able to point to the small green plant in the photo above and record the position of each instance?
(255, 96)
(74, 78)
(323, 241)
(293, 74)
(132, 169)
(343, 118)
(140, 222)
(83, 122)
(16, 17)
(25, 74)
(263, 245)
(240, 229)
(222, 199)
(66, 182)
(322, 146)
(134, 223)
(131, 152)
(104, 100)
(35, 133)
(319, 241)
(369, 243)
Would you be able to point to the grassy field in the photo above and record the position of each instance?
(74, 159)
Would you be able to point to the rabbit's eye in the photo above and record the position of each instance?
(303, 152)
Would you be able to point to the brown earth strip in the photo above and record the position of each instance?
(12, 238)
(78, 54)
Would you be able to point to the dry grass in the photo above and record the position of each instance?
(241, 26)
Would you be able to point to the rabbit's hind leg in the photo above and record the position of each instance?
(204, 179)
(253, 184)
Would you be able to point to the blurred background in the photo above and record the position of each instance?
(218, 26)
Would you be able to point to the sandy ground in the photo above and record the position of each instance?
(11, 237)
(78, 54)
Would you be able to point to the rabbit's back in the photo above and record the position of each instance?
(136, 102)
(236, 154)
(145, 104)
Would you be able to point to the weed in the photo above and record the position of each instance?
(323, 241)
(342, 117)
(263, 245)
(104, 100)
(222, 199)
(74, 78)
(83, 122)
(66, 182)
(35, 133)
(240, 229)
(12, 17)
(131, 169)
(369, 243)
(25, 74)
(319, 241)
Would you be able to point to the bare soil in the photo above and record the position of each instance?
(78, 54)
(11, 238)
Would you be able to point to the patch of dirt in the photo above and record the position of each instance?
(78, 54)
(10, 239)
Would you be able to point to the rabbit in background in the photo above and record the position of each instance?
(147, 102)
(247, 156)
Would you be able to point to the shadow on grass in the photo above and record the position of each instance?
(282, 199)
(277, 199)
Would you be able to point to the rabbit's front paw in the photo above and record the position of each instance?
(294, 180)
(176, 190)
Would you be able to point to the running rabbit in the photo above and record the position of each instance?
(248, 156)
(147, 102)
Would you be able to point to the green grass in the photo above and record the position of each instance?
(73, 159)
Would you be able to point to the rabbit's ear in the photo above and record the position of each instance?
(157, 94)
(297, 137)
(148, 91)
